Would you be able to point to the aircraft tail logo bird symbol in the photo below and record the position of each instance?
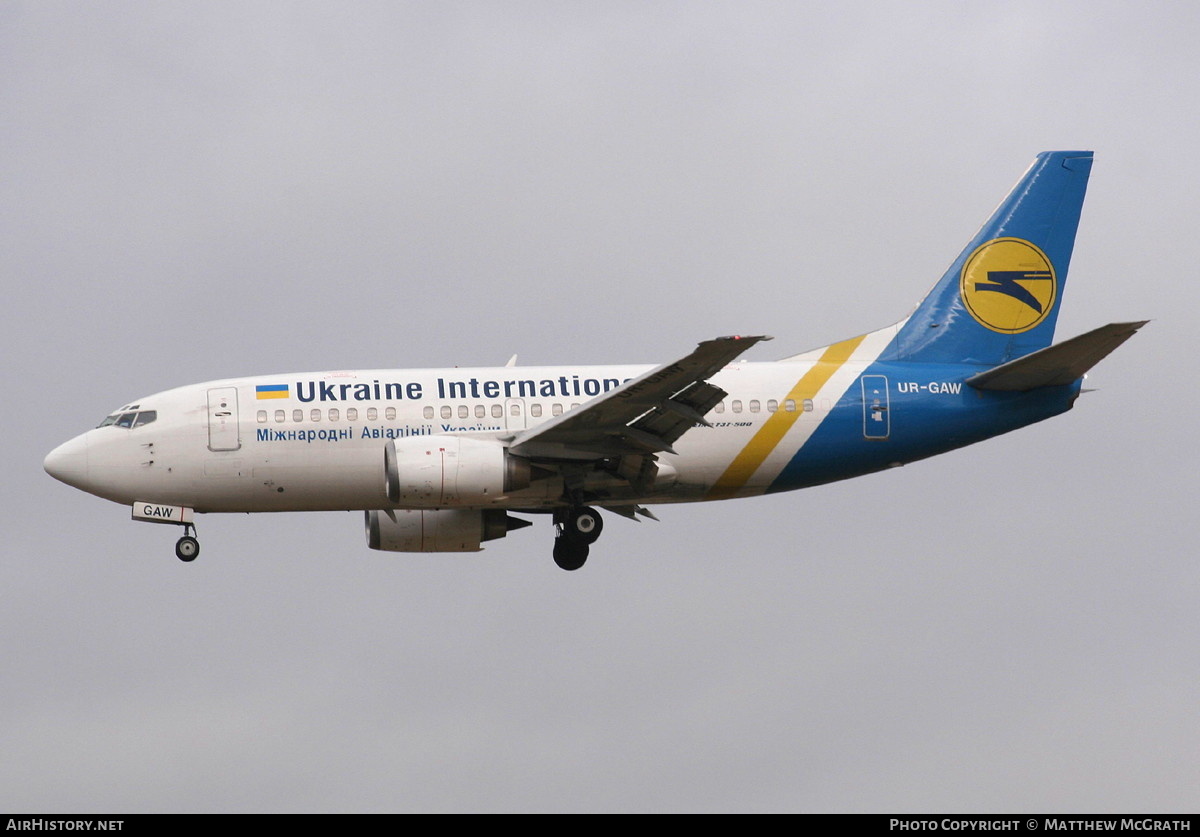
(1006, 282)
(1008, 285)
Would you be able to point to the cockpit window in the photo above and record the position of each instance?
(130, 420)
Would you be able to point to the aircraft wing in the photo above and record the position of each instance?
(642, 416)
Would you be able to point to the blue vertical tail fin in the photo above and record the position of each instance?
(999, 300)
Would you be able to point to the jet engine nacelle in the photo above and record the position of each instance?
(437, 530)
(439, 471)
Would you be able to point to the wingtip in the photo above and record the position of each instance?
(1130, 327)
(754, 337)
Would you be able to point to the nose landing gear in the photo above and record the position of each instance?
(575, 530)
(187, 547)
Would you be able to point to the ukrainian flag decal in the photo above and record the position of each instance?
(271, 391)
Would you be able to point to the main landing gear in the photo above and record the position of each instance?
(187, 547)
(575, 530)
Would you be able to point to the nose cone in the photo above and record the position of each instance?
(69, 462)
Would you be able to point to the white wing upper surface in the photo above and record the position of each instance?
(644, 415)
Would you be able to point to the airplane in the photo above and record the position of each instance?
(443, 460)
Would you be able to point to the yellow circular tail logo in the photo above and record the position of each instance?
(1008, 285)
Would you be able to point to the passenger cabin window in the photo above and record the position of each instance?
(447, 411)
(535, 410)
(390, 414)
(262, 416)
(372, 414)
(297, 416)
(352, 414)
(427, 412)
(334, 414)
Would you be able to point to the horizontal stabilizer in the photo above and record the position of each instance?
(1056, 365)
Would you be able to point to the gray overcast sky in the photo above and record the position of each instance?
(198, 190)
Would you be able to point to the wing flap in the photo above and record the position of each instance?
(644, 415)
(1056, 365)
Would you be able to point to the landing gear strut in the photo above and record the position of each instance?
(187, 547)
(575, 530)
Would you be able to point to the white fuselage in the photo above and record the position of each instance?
(315, 441)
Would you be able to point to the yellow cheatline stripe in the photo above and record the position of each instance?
(780, 422)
